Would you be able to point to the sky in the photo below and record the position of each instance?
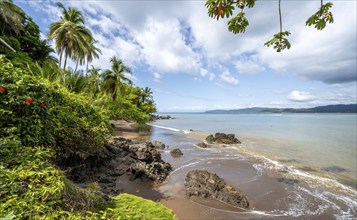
(193, 63)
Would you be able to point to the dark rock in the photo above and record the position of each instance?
(116, 172)
(203, 184)
(106, 180)
(159, 145)
(202, 145)
(160, 117)
(176, 152)
(122, 156)
(146, 152)
(156, 171)
(222, 138)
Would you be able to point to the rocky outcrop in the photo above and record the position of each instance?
(204, 184)
(202, 145)
(176, 152)
(160, 117)
(123, 157)
(222, 138)
(159, 145)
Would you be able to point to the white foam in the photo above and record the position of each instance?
(163, 127)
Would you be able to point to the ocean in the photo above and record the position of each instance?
(305, 163)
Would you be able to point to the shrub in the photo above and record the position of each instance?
(45, 114)
(124, 110)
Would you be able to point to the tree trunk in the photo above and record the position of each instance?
(60, 61)
(65, 61)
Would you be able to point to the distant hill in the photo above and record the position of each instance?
(351, 108)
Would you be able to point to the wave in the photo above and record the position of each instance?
(166, 128)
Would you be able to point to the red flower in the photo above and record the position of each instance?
(2, 89)
(43, 105)
(29, 101)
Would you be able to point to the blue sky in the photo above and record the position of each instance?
(193, 63)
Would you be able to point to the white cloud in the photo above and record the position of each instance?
(203, 72)
(164, 48)
(228, 78)
(248, 65)
(300, 96)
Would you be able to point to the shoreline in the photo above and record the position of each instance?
(270, 186)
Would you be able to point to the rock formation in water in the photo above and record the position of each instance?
(222, 138)
(159, 145)
(202, 145)
(160, 117)
(176, 152)
(204, 184)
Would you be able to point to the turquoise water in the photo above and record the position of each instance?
(322, 144)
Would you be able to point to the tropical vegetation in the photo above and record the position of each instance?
(54, 117)
(238, 24)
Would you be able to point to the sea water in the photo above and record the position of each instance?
(318, 151)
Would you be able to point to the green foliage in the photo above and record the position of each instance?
(126, 206)
(321, 17)
(279, 41)
(124, 110)
(46, 114)
(238, 24)
(219, 8)
(29, 185)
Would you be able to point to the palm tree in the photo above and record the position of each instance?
(75, 81)
(146, 94)
(114, 78)
(93, 52)
(11, 18)
(71, 36)
(94, 82)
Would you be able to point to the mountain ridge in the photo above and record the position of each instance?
(341, 108)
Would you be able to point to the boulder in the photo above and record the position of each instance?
(176, 152)
(204, 184)
(145, 152)
(202, 145)
(156, 171)
(222, 138)
(159, 145)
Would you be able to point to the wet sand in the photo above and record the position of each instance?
(130, 130)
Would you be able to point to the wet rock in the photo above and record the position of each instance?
(160, 117)
(106, 180)
(156, 171)
(222, 138)
(176, 152)
(204, 184)
(202, 145)
(116, 172)
(145, 152)
(159, 145)
(122, 156)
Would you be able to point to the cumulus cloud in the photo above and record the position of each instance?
(164, 48)
(228, 78)
(300, 96)
(248, 65)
